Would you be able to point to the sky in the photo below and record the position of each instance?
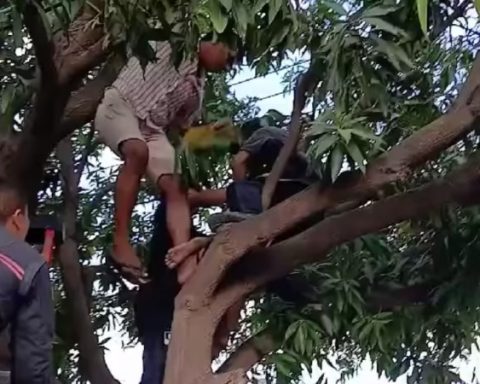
(126, 364)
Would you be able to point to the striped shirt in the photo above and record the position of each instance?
(156, 94)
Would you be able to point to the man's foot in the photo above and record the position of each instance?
(124, 258)
(193, 248)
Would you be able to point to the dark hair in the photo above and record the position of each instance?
(11, 199)
(249, 127)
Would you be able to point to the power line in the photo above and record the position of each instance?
(270, 96)
(269, 73)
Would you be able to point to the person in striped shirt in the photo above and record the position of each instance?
(135, 118)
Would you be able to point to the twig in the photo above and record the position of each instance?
(90, 147)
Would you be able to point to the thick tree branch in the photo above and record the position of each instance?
(83, 103)
(461, 187)
(250, 352)
(254, 350)
(42, 44)
(83, 46)
(305, 86)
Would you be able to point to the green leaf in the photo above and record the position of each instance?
(274, 7)
(380, 10)
(218, 18)
(346, 134)
(258, 6)
(319, 128)
(241, 16)
(336, 7)
(356, 155)
(291, 330)
(278, 38)
(327, 324)
(17, 28)
(422, 9)
(385, 26)
(324, 143)
(300, 339)
(364, 134)
(336, 162)
(394, 53)
(227, 4)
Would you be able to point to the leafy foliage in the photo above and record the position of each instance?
(406, 298)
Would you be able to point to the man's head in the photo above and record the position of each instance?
(215, 56)
(13, 210)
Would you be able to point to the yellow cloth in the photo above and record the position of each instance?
(206, 137)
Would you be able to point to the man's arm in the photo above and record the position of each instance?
(32, 334)
(250, 147)
(239, 165)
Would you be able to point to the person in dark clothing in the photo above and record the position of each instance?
(26, 305)
(154, 303)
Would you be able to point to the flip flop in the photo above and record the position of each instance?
(134, 274)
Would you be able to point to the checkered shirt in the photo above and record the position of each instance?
(163, 96)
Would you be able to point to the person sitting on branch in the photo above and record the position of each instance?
(136, 115)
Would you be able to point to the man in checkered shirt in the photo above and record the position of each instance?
(134, 118)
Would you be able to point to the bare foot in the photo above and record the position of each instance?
(177, 255)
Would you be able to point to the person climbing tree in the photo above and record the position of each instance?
(257, 151)
(135, 117)
(25, 293)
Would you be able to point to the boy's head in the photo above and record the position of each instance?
(13, 210)
(215, 56)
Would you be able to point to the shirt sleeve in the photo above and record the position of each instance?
(32, 334)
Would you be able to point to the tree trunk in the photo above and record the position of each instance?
(91, 355)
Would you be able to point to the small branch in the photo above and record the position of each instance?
(305, 86)
(446, 23)
(91, 144)
(250, 352)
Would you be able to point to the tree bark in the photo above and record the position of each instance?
(91, 355)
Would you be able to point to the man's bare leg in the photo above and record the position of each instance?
(135, 157)
(178, 221)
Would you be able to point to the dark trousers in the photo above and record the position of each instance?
(154, 357)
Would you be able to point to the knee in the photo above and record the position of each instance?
(135, 153)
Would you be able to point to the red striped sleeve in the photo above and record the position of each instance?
(12, 266)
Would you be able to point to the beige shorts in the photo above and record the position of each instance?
(116, 122)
